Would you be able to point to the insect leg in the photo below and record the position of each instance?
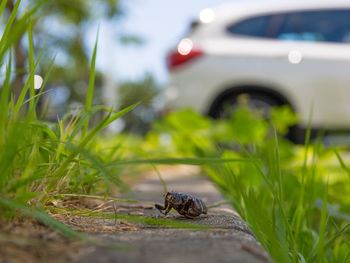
(204, 208)
(168, 208)
(196, 208)
(160, 207)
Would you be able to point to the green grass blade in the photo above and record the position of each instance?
(16, 27)
(82, 144)
(97, 164)
(300, 209)
(8, 27)
(91, 87)
(319, 250)
(2, 6)
(21, 98)
(342, 163)
(177, 161)
(5, 94)
(32, 110)
(43, 86)
(104, 123)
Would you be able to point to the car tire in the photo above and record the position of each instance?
(259, 101)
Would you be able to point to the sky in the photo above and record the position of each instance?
(159, 23)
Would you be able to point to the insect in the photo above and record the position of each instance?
(185, 204)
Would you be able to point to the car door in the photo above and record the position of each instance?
(315, 48)
(304, 55)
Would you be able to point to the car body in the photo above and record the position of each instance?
(278, 52)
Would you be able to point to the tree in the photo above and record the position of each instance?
(144, 92)
(70, 18)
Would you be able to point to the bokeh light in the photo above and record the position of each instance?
(38, 81)
(185, 46)
(207, 15)
(295, 56)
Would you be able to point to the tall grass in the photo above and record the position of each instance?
(39, 159)
(294, 198)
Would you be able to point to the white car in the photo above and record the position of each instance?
(281, 52)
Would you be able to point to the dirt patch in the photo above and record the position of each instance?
(95, 225)
(30, 241)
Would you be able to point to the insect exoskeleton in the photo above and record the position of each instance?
(185, 204)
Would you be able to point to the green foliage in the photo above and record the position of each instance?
(187, 126)
(282, 118)
(59, 27)
(294, 198)
(205, 137)
(38, 159)
(246, 127)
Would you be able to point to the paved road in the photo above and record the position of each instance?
(227, 240)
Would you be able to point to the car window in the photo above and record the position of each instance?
(251, 27)
(314, 26)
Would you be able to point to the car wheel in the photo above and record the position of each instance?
(261, 103)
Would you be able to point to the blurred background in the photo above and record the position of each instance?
(135, 37)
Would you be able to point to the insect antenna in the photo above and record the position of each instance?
(162, 181)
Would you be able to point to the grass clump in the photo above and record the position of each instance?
(294, 198)
(39, 160)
